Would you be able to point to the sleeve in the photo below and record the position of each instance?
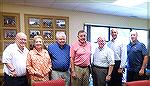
(72, 52)
(29, 64)
(49, 61)
(7, 55)
(110, 57)
(123, 52)
(144, 50)
(49, 50)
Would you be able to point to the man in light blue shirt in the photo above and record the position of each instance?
(120, 56)
(103, 62)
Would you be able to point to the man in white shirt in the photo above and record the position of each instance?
(14, 59)
(103, 62)
(120, 56)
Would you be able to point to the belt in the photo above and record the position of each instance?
(24, 76)
(59, 70)
(100, 67)
(82, 66)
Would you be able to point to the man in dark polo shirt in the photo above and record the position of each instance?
(137, 59)
(60, 57)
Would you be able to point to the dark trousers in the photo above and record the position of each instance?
(15, 81)
(134, 76)
(99, 76)
(116, 78)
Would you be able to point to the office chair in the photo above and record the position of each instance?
(59, 82)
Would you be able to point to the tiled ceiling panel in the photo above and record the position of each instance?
(92, 6)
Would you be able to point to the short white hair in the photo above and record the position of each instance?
(134, 32)
(60, 34)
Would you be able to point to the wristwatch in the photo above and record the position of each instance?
(12, 70)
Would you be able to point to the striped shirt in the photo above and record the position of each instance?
(103, 57)
(120, 51)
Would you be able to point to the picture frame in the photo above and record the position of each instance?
(10, 33)
(1, 47)
(60, 23)
(47, 34)
(34, 22)
(31, 45)
(46, 43)
(47, 23)
(9, 21)
(34, 32)
(7, 43)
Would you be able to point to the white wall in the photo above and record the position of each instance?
(76, 18)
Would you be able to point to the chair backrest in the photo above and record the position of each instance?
(59, 82)
(138, 83)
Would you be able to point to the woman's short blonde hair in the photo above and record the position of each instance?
(38, 36)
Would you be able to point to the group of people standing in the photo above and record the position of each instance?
(73, 62)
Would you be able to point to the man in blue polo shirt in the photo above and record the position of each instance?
(137, 59)
(60, 57)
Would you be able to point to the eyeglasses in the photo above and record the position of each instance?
(23, 39)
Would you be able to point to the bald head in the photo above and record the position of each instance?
(20, 40)
(101, 41)
(133, 36)
(114, 33)
(133, 32)
(20, 34)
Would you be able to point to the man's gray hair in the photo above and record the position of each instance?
(60, 34)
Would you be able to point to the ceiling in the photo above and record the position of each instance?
(92, 6)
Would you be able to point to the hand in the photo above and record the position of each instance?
(73, 74)
(38, 74)
(120, 70)
(108, 77)
(141, 72)
(13, 73)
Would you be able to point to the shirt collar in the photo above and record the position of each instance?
(21, 51)
(114, 40)
(101, 48)
(36, 52)
(82, 44)
(134, 43)
(60, 45)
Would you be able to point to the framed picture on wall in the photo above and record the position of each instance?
(8, 43)
(34, 32)
(47, 34)
(60, 23)
(47, 23)
(10, 33)
(46, 43)
(9, 21)
(34, 22)
(1, 47)
(31, 45)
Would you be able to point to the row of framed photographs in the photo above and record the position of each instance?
(46, 23)
(47, 34)
(11, 21)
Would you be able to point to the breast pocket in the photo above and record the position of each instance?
(103, 57)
